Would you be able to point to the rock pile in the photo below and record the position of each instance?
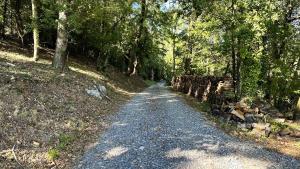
(259, 118)
(98, 91)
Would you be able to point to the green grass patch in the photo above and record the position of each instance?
(149, 82)
(53, 154)
(203, 106)
(294, 126)
(65, 140)
(276, 127)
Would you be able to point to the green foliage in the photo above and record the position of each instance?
(250, 73)
(204, 106)
(64, 141)
(257, 42)
(276, 127)
(150, 82)
(53, 154)
(264, 41)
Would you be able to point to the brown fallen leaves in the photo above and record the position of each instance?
(43, 110)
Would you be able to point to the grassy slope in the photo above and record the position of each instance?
(47, 116)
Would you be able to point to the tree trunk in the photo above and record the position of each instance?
(59, 60)
(226, 70)
(134, 69)
(35, 30)
(152, 74)
(19, 22)
(174, 46)
(233, 60)
(238, 70)
(98, 62)
(5, 3)
(174, 58)
(106, 61)
(11, 20)
(138, 43)
(297, 110)
(233, 55)
(296, 76)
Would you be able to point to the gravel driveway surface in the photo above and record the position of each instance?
(156, 129)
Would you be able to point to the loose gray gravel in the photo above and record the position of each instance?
(156, 129)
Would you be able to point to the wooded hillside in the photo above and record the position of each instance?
(254, 43)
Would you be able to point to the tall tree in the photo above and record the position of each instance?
(19, 20)
(59, 60)
(35, 29)
(138, 46)
(4, 18)
(174, 36)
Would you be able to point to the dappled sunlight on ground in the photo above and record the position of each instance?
(114, 152)
(196, 158)
(119, 124)
(157, 130)
(14, 56)
(87, 73)
(172, 100)
(18, 57)
(39, 105)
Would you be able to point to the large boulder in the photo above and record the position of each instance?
(261, 129)
(98, 91)
(250, 118)
(261, 126)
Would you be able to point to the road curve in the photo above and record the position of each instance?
(156, 129)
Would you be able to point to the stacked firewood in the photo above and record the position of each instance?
(205, 88)
(258, 118)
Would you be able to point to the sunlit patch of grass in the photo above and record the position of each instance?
(98, 76)
(7, 154)
(53, 154)
(21, 73)
(64, 141)
(263, 138)
(276, 127)
(13, 56)
(87, 73)
(295, 126)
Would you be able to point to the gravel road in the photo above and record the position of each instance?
(156, 129)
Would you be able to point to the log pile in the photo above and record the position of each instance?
(205, 88)
(259, 118)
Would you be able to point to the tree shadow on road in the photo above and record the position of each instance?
(157, 130)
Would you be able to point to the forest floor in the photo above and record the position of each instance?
(286, 145)
(47, 119)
